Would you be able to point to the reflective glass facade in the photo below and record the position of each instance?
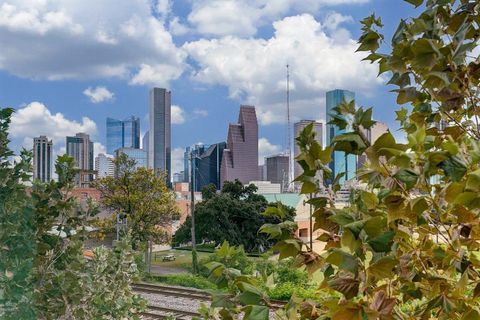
(341, 162)
(123, 134)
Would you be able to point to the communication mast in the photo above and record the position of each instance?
(289, 135)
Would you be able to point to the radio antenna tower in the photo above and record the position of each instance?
(289, 133)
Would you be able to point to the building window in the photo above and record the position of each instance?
(303, 233)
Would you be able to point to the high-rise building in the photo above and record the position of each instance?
(42, 159)
(277, 170)
(298, 127)
(104, 166)
(145, 144)
(139, 155)
(372, 135)
(208, 165)
(186, 165)
(123, 134)
(341, 162)
(194, 151)
(240, 159)
(80, 148)
(159, 140)
(178, 177)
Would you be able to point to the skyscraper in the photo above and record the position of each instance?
(277, 170)
(208, 165)
(240, 159)
(139, 155)
(341, 162)
(80, 148)
(42, 159)
(123, 134)
(372, 135)
(159, 140)
(298, 127)
(104, 166)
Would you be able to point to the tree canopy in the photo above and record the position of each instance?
(142, 196)
(234, 214)
(43, 271)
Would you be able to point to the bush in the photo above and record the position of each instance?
(230, 257)
(185, 280)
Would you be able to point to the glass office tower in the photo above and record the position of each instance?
(341, 162)
(123, 134)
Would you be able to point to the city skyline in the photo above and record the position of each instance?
(80, 95)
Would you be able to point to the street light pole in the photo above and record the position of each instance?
(192, 216)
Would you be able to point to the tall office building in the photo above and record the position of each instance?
(42, 159)
(145, 144)
(341, 162)
(80, 148)
(240, 159)
(123, 134)
(104, 166)
(277, 170)
(372, 134)
(139, 155)
(208, 164)
(298, 127)
(159, 140)
(194, 151)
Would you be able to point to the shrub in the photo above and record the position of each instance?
(185, 280)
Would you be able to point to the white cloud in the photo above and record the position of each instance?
(78, 40)
(98, 94)
(178, 115)
(177, 28)
(35, 119)
(177, 159)
(98, 148)
(156, 75)
(266, 148)
(256, 74)
(200, 112)
(243, 17)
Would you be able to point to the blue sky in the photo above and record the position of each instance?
(67, 65)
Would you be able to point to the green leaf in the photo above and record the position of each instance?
(256, 313)
(473, 181)
(343, 260)
(407, 176)
(382, 268)
(454, 168)
(382, 243)
(416, 3)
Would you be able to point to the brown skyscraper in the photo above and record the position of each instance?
(240, 158)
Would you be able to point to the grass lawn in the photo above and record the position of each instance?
(183, 258)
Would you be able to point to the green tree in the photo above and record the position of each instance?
(43, 271)
(234, 214)
(407, 247)
(143, 197)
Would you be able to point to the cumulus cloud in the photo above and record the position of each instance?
(266, 148)
(243, 17)
(129, 42)
(177, 159)
(35, 119)
(178, 115)
(98, 94)
(256, 73)
(99, 148)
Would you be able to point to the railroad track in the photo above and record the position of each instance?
(190, 293)
(156, 312)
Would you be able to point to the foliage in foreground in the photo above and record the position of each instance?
(43, 271)
(407, 247)
(233, 214)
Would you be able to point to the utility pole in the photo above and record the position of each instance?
(192, 215)
(311, 224)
